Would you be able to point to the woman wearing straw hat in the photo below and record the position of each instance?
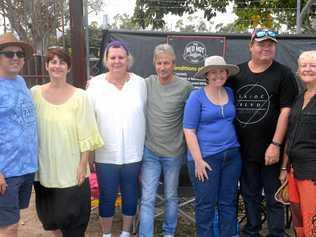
(213, 159)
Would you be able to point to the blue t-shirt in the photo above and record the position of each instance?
(18, 132)
(213, 124)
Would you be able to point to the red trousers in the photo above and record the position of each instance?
(302, 195)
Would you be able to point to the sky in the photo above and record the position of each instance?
(113, 7)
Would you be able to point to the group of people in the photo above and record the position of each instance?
(247, 126)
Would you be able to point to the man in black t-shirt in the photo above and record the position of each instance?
(264, 90)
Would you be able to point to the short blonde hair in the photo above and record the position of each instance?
(311, 54)
(164, 49)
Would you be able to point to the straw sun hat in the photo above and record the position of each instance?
(217, 62)
(8, 39)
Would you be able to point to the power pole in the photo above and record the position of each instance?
(78, 45)
(86, 31)
(300, 14)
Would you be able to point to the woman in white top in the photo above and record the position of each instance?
(118, 98)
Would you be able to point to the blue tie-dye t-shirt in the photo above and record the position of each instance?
(18, 133)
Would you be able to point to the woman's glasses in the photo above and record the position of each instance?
(10, 54)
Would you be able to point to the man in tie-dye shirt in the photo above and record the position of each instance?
(18, 135)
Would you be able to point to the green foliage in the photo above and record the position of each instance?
(38, 21)
(95, 38)
(95, 33)
(124, 22)
(195, 24)
(151, 12)
(270, 14)
(250, 13)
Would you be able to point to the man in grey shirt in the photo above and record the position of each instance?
(164, 144)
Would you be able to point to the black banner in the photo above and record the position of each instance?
(234, 48)
(191, 52)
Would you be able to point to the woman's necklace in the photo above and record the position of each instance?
(118, 83)
(218, 100)
(308, 95)
(222, 111)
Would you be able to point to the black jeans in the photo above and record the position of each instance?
(255, 178)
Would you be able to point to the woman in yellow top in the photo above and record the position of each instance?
(67, 132)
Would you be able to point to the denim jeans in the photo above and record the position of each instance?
(220, 189)
(151, 170)
(16, 197)
(111, 179)
(254, 178)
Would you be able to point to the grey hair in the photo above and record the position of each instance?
(311, 54)
(164, 49)
(130, 59)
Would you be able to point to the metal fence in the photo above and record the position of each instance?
(34, 71)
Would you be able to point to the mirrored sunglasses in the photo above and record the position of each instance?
(263, 33)
(10, 54)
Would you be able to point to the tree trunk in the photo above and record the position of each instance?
(40, 44)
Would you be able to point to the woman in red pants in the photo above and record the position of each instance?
(299, 163)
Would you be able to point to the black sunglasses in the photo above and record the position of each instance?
(10, 54)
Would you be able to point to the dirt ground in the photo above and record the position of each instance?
(31, 227)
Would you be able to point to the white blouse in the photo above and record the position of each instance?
(120, 116)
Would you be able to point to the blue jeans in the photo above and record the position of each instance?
(220, 189)
(151, 170)
(254, 177)
(111, 179)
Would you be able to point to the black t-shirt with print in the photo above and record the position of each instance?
(259, 98)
